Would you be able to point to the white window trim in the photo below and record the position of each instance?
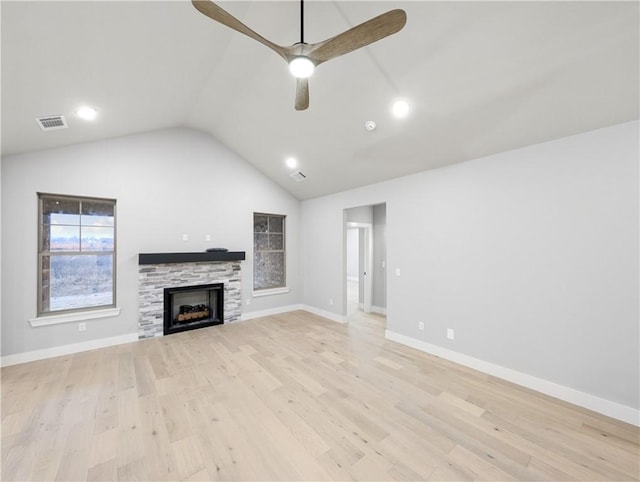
(75, 316)
(269, 292)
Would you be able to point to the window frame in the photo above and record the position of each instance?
(275, 289)
(42, 253)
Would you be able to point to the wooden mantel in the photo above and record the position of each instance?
(162, 258)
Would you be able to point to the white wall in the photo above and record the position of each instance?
(166, 183)
(360, 214)
(530, 255)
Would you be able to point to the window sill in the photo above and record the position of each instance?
(70, 317)
(274, 291)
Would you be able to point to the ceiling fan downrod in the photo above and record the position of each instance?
(301, 66)
(302, 21)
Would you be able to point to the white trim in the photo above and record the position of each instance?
(45, 353)
(325, 314)
(576, 397)
(271, 311)
(368, 263)
(76, 316)
(378, 309)
(585, 400)
(29, 356)
(286, 309)
(274, 291)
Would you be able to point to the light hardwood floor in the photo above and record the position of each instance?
(292, 397)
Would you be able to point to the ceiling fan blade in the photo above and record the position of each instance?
(302, 94)
(211, 10)
(359, 36)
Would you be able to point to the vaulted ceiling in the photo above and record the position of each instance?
(481, 78)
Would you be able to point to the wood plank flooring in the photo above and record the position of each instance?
(292, 397)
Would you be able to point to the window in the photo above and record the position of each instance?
(76, 254)
(268, 251)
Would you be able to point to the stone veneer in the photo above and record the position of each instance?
(154, 278)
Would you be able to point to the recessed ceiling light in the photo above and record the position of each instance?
(292, 162)
(400, 109)
(87, 113)
(370, 126)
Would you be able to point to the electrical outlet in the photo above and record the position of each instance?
(451, 334)
(397, 271)
(384, 265)
(421, 325)
(82, 326)
(248, 302)
(185, 237)
(331, 301)
(207, 237)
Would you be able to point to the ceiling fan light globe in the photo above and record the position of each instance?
(301, 67)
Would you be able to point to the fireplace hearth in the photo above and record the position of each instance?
(192, 307)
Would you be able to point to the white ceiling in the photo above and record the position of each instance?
(482, 77)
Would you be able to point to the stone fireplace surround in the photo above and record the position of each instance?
(158, 271)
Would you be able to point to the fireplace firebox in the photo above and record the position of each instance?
(191, 307)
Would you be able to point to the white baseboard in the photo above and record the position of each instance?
(325, 314)
(378, 309)
(271, 311)
(29, 356)
(285, 309)
(576, 397)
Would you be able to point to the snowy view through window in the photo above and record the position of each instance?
(77, 254)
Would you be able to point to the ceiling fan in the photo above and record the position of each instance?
(303, 57)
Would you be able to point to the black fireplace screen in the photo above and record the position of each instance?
(191, 307)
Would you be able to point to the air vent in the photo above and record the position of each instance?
(52, 122)
(298, 176)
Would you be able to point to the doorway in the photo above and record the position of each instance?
(365, 260)
(359, 269)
